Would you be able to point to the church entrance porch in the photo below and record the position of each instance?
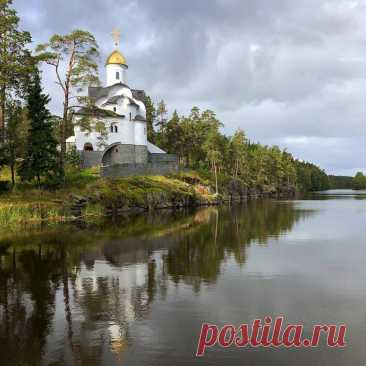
(119, 154)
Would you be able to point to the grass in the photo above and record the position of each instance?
(28, 205)
(23, 213)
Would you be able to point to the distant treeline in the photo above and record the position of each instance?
(340, 182)
(357, 182)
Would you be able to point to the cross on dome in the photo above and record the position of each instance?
(116, 34)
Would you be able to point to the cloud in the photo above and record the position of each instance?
(292, 73)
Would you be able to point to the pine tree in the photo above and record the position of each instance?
(161, 112)
(150, 120)
(173, 134)
(42, 156)
(13, 146)
(359, 181)
(14, 57)
(76, 54)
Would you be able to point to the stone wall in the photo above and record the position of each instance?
(90, 158)
(127, 170)
(141, 154)
(119, 154)
(128, 160)
(162, 158)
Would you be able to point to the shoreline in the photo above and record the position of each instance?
(105, 198)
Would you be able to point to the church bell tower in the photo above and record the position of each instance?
(116, 65)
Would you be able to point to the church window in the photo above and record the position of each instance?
(130, 116)
(88, 147)
(115, 129)
(114, 109)
(117, 75)
(111, 128)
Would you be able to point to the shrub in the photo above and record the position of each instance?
(5, 186)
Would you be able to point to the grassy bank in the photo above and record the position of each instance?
(28, 205)
(88, 197)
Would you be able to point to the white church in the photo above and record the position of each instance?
(123, 113)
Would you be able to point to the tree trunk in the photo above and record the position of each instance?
(65, 117)
(12, 174)
(2, 115)
(217, 189)
(66, 293)
(63, 132)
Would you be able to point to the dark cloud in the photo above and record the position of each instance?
(292, 73)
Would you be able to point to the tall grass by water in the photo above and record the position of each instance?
(15, 214)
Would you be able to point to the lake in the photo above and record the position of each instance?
(135, 291)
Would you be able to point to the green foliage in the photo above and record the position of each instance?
(150, 118)
(13, 147)
(14, 58)
(76, 178)
(197, 141)
(79, 47)
(42, 157)
(76, 53)
(161, 112)
(340, 182)
(359, 181)
(310, 177)
(20, 214)
(73, 157)
(4, 186)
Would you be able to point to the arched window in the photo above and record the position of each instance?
(130, 116)
(115, 129)
(117, 75)
(111, 128)
(114, 109)
(88, 146)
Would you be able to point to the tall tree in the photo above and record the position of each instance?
(161, 113)
(13, 58)
(42, 156)
(238, 154)
(173, 135)
(212, 147)
(75, 53)
(359, 181)
(14, 142)
(150, 119)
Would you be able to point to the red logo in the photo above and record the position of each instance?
(269, 333)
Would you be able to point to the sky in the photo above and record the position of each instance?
(288, 72)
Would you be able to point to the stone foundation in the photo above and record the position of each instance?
(141, 154)
(115, 154)
(128, 160)
(119, 154)
(151, 168)
(90, 158)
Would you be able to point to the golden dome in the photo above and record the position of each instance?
(116, 58)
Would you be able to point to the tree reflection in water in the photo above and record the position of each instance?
(70, 296)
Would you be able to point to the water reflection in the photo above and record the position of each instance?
(70, 296)
(339, 194)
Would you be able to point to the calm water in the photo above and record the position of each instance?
(136, 292)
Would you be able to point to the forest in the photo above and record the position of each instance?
(199, 143)
(33, 141)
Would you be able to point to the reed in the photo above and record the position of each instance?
(14, 214)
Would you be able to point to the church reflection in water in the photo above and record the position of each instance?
(72, 296)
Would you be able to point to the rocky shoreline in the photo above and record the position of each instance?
(102, 198)
(198, 195)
